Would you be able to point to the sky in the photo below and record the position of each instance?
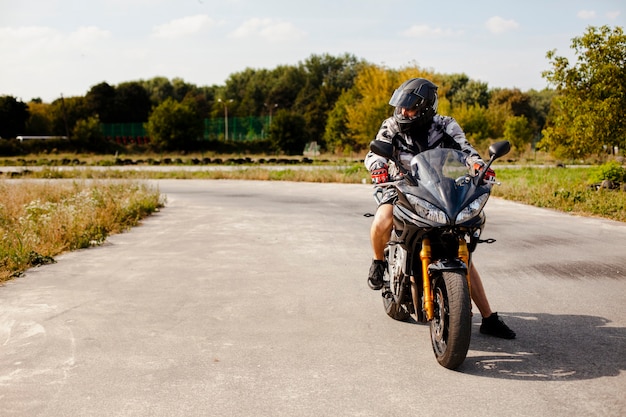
(54, 48)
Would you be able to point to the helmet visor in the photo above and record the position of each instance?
(410, 98)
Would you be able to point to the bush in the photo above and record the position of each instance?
(611, 171)
(287, 133)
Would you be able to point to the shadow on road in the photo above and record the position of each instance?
(549, 347)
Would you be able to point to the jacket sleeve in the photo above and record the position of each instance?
(453, 129)
(385, 133)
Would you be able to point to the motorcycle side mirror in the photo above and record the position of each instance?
(381, 148)
(499, 149)
(496, 150)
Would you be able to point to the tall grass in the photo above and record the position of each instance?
(355, 173)
(566, 189)
(39, 220)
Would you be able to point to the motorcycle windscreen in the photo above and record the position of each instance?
(438, 170)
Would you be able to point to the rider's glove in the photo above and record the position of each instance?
(490, 174)
(380, 173)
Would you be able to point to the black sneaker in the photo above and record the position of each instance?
(494, 326)
(377, 270)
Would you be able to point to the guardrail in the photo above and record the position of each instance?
(22, 138)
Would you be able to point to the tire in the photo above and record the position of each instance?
(450, 329)
(394, 310)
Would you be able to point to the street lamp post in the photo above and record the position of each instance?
(225, 117)
(271, 107)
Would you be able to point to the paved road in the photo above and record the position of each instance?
(249, 299)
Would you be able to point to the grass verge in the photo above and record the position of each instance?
(565, 189)
(39, 220)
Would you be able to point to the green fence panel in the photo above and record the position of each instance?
(239, 129)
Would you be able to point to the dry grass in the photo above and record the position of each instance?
(60, 210)
(564, 189)
(354, 173)
(41, 219)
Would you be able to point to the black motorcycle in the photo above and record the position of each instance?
(437, 222)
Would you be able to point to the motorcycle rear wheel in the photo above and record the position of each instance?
(450, 329)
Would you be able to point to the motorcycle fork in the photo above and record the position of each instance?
(425, 257)
(464, 256)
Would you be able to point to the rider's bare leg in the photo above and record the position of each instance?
(478, 293)
(491, 323)
(380, 231)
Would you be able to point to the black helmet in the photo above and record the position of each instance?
(419, 94)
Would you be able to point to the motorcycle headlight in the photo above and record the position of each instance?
(427, 210)
(472, 209)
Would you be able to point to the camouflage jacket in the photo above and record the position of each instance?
(444, 132)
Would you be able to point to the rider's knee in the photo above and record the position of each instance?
(383, 218)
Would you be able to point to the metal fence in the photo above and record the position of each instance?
(125, 133)
(237, 129)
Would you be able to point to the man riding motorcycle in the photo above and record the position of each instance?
(415, 127)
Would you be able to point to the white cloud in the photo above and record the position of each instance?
(83, 34)
(88, 34)
(268, 29)
(39, 42)
(184, 26)
(419, 31)
(43, 61)
(25, 33)
(586, 14)
(613, 15)
(498, 24)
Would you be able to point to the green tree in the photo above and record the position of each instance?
(513, 100)
(288, 132)
(174, 126)
(248, 89)
(540, 102)
(87, 135)
(204, 98)
(65, 112)
(337, 135)
(473, 120)
(311, 88)
(587, 112)
(463, 90)
(326, 77)
(518, 132)
(13, 117)
(40, 120)
(132, 103)
(284, 85)
(100, 102)
(181, 88)
(159, 89)
(373, 87)
(127, 103)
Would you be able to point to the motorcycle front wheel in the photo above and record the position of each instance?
(450, 328)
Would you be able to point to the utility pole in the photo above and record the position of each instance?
(225, 117)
